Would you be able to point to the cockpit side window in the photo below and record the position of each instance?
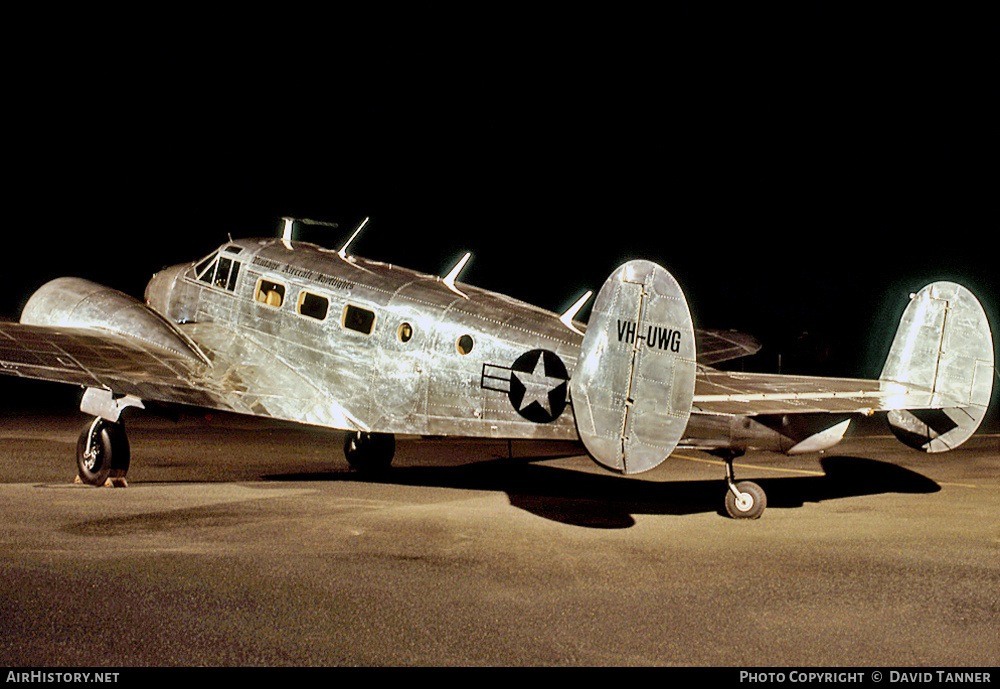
(234, 273)
(222, 272)
(218, 271)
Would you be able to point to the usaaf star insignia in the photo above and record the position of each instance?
(538, 386)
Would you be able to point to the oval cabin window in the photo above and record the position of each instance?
(465, 344)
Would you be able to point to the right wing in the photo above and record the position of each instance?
(95, 359)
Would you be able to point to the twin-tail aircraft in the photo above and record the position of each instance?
(288, 330)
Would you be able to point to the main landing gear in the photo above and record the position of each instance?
(102, 454)
(369, 452)
(744, 500)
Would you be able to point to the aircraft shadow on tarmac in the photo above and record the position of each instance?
(611, 502)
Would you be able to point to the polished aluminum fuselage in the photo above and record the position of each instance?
(423, 357)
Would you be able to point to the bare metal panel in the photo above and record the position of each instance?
(90, 358)
(721, 392)
(77, 303)
(635, 378)
(281, 363)
(943, 343)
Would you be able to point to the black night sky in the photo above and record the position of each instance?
(796, 174)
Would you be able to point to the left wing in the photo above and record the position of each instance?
(715, 346)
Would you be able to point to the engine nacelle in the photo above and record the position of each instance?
(79, 303)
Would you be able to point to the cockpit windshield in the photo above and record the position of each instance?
(200, 269)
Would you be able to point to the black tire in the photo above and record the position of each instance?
(110, 456)
(369, 452)
(749, 508)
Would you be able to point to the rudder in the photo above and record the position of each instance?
(944, 344)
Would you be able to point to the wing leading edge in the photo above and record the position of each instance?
(96, 359)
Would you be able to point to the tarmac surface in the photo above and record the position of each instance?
(246, 544)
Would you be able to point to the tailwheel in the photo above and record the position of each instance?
(102, 454)
(744, 500)
(369, 452)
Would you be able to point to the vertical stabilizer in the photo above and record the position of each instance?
(944, 344)
(634, 381)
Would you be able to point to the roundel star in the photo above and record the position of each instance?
(538, 385)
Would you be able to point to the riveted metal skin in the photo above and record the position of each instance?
(289, 330)
(432, 358)
(78, 303)
(943, 344)
(635, 379)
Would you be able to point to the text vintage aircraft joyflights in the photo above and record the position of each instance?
(288, 330)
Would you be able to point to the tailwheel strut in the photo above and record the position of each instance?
(744, 500)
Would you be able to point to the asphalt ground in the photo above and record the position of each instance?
(246, 544)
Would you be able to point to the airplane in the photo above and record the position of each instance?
(286, 329)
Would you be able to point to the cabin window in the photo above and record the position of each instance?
(358, 319)
(405, 332)
(465, 344)
(313, 305)
(270, 293)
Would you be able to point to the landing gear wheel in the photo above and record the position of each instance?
(750, 502)
(102, 453)
(369, 452)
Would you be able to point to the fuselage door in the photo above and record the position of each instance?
(399, 385)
